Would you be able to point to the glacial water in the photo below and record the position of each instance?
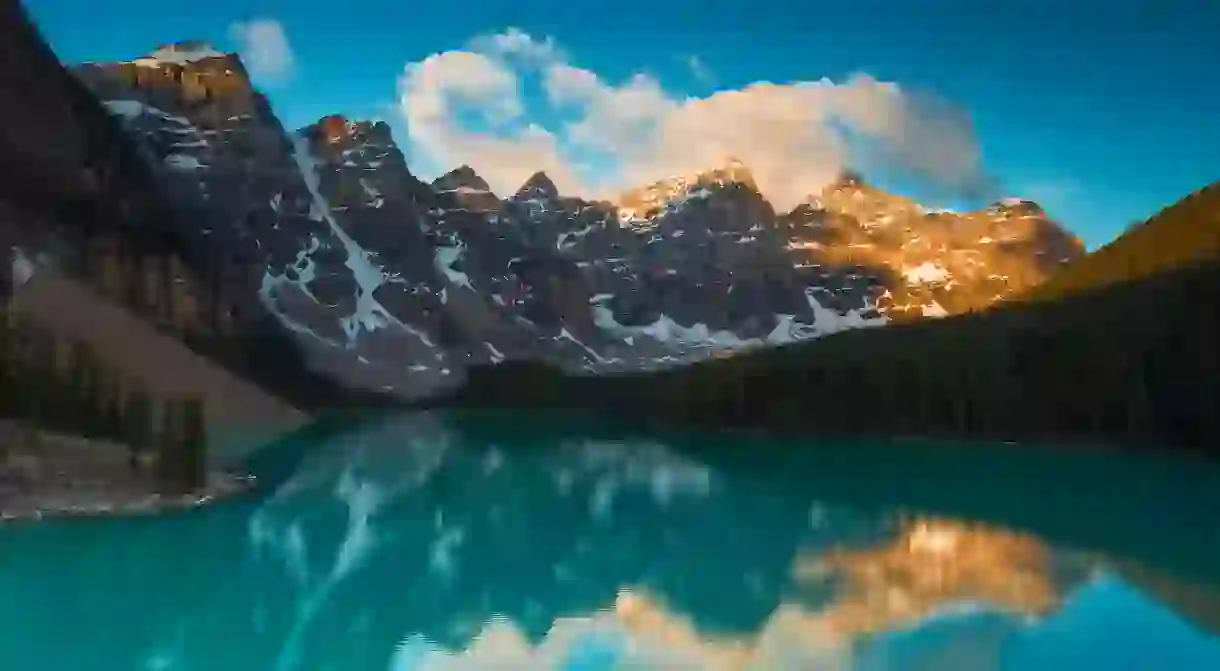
(532, 542)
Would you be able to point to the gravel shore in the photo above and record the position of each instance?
(55, 475)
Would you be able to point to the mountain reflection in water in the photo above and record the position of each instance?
(481, 540)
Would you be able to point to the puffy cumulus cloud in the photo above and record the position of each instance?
(795, 137)
(566, 84)
(518, 44)
(434, 92)
(264, 49)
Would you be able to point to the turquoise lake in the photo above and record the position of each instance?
(533, 541)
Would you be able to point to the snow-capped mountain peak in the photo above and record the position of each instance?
(181, 53)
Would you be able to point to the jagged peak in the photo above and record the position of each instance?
(462, 179)
(846, 182)
(848, 177)
(181, 53)
(849, 193)
(700, 184)
(539, 185)
(731, 171)
(335, 128)
(332, 128)
(195, 69)
(810, 206)
(1013, 202)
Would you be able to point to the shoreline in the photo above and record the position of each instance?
(224, 487)
(57, 476)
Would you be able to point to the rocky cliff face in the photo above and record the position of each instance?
(393, 285)
(930, 262)
(81, 196)
(257, 193)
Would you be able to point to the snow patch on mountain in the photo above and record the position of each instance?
(273, 286)
(934, 309)
(787, 329)
(666, 330)
(375, 197)
(562, 242)
(276, 285)
(565, 334)
(445, 257)
(827, 321)
(132, 110)
(369, 315)
(925, 273)
(176, 54)
(184, 162)
(468, 190)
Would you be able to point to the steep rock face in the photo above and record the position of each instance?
(713, 259)
(421, 258)
(81, 197)
(470, 190)
(257, 194)
(538, 187)
(507, 262)
(930, 263)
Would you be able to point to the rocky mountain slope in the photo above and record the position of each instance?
(81, 204)
(393, 285)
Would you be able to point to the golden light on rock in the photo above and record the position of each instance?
(931, 565)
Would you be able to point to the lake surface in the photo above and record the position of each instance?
(530, 541)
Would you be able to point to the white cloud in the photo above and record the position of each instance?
(790, 134)
(566, 84)
(435, 89)
(264, 49)
(518, 44)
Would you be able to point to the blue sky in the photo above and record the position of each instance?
(1103, 111)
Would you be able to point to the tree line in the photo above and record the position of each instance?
(1133, 363)
(1185, 233)
(190, 297)
(60, 385)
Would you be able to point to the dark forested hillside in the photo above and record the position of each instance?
(1183, 233)
(1135, 363)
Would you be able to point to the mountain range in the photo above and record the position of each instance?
(391, 284)
(1119, 348)
(314, 264)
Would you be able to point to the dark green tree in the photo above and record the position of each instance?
(138, 426)
(194, 444)
(169, 447)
